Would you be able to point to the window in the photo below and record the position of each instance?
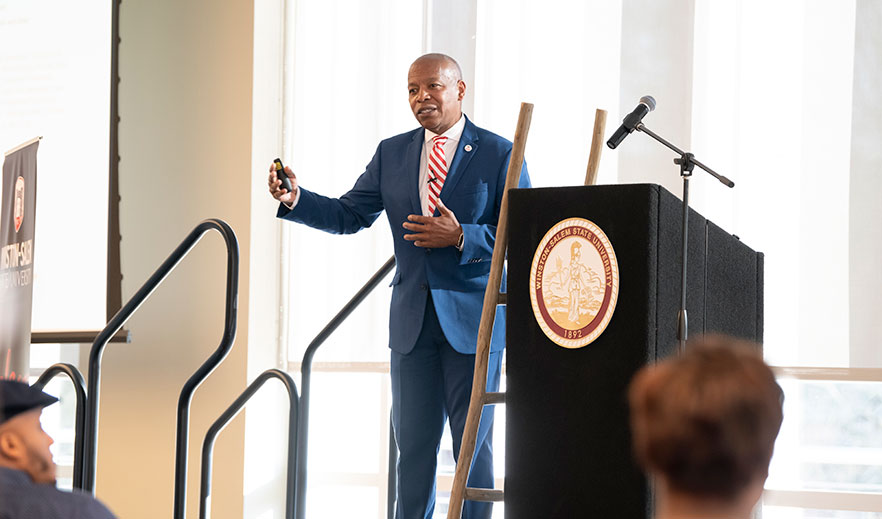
(348, 88)
(780, 114)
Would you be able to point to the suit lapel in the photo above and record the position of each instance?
(465, 150)
(412, 166)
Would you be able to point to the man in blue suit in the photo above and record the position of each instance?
(443, 244)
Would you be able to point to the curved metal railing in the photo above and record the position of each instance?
(306, 374)
(87, 408)
(228, 415)
(80, 389)
(90, 449)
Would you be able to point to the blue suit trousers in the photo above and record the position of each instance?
(433, 383)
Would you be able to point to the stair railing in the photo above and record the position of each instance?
(80, 389)
(90, 437)
(306, 373)
(228, 415)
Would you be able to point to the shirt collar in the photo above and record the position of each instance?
(453, 133)
(10, 474)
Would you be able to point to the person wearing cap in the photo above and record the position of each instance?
(27, 470)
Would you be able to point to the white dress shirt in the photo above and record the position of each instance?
(453, 134)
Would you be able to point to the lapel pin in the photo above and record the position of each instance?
(468, 147)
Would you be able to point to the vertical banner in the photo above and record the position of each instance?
(17, 215)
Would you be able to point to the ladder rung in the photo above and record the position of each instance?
(494, 398)
(501, 299)
(484, 494)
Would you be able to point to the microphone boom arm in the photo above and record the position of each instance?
(688, 157)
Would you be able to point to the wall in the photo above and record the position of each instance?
(185, 133)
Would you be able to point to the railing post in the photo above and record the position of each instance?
(228, 415)
(306, 375)
(80, 389)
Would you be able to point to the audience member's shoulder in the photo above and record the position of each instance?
(39, 501)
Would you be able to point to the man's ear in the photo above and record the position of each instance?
(11, 446)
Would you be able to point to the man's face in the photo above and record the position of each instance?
(435, 92)
(31, 449)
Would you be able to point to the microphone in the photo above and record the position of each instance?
(647, 104)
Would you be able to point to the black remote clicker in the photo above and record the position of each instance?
(280, 173)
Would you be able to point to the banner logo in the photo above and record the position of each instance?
(18, 205)
(574, 283)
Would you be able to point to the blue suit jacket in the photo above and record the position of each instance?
(473, 191)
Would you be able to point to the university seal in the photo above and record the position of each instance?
(574, 283)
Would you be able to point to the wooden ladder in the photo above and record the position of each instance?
(492, 297)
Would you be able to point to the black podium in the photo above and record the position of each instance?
(567, 435)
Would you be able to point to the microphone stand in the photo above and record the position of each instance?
(687, 162)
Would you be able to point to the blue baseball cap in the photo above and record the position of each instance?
(17, 397)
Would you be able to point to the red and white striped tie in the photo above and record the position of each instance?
(437, 171)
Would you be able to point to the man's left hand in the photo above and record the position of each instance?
(433, 231)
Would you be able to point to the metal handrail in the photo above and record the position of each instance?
(228, 415)
(80, 389)
(116, 323)
(306, 373)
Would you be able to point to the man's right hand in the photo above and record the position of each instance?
(275, 186)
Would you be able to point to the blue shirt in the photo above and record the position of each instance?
(21, 498)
